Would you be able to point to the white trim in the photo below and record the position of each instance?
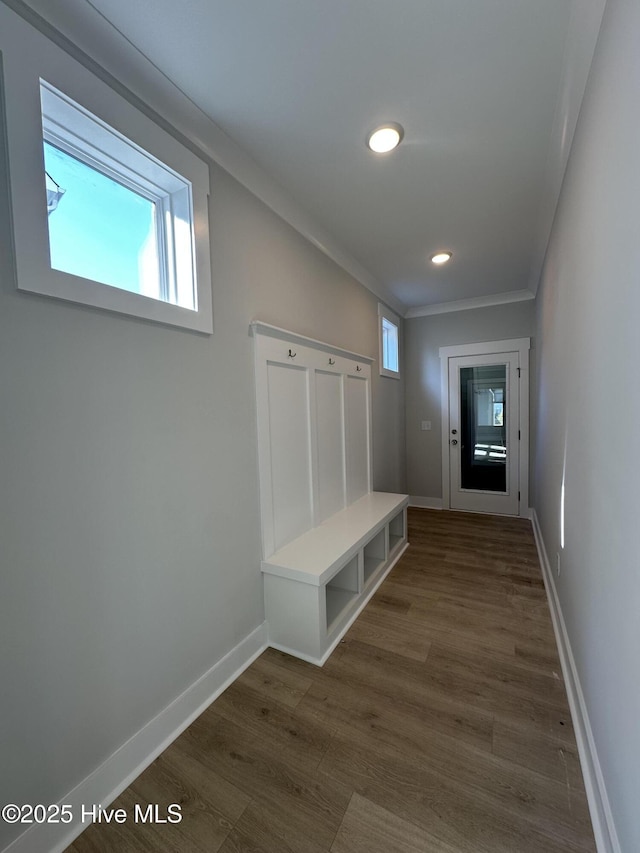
(391, 317)
(257, 327)
(468, 304)
(520, 345)
(444, 416)
(425, 503)
(601, 816)
(128, 761)
(92, 40)
(277, 348)
(88, 36)
(486, 348)
(79, 133)
(23, 109)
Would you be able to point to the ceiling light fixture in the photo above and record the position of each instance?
(385, 138)
(441, 257)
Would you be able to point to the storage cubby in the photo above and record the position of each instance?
(375, 555)
(341, 591)
(316, 585)
(397, 531)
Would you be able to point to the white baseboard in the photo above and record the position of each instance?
(126, 763)
(436, 503)
(425, 503)
(601, 816)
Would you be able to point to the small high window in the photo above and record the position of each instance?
(117, 215)
(110, 210)
(389, 333)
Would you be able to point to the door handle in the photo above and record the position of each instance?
(454, 441)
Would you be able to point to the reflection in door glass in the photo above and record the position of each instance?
(483, 428)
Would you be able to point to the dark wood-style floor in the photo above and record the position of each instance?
(440, 724)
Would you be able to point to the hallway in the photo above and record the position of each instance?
(439, 724)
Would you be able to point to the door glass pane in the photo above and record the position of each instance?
(483, 428)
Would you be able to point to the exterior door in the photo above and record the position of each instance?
(482, 428)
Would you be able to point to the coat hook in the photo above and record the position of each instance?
(358, 368)
(332, 361)
(292, 354)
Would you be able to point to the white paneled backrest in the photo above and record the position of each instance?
(314, 432)
(330, 443)
(290, 451)
(357, 436)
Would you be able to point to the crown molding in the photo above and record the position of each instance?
(585, 19)
(83, 32)
(468, 304)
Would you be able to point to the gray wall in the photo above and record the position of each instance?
(129, 516)
(423, 338)
(589, 408)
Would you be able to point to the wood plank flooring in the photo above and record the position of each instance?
(439, 724)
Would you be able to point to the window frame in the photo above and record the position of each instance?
(385, 314)
(119, 137)
(79, 133)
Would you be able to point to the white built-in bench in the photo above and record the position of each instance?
(316, 585)
(328, 540)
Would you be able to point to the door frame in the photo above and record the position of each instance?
(522, 347)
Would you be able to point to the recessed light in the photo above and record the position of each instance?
(441, 257)
(385, 138)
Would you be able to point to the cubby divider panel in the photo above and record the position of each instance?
(397, 531)
(341, 591)
(375, 554)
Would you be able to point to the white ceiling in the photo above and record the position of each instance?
(487, 91)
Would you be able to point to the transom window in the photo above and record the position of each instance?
(110, 207)
(117, 216)
(389, 342)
